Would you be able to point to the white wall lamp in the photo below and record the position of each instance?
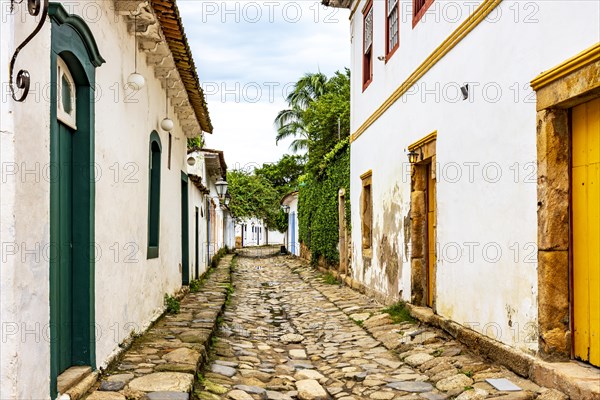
(191, 161)
(136, 81)
(286, 209)
(167, 123)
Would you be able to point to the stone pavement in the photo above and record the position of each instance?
(289, 335)
(162, 363)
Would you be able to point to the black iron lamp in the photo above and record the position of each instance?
(413, 157)
(221, 188)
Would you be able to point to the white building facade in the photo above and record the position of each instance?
(253, 232)
(467, 228)
(211, 227)
(92, 186)
(292, 242)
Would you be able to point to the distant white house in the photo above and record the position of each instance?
(254, 232)
(291, 236)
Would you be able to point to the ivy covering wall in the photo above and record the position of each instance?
(318, 203)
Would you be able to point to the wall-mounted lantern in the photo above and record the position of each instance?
(286, 209)
(221, 188)
(413, 157)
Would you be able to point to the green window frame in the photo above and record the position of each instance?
(154, 178)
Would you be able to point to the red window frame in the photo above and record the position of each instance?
(418, 14)
(367, 57)
(390, 52)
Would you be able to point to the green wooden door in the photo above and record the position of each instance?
(65, 247)
(185, 231)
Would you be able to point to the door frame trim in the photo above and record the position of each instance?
(573, 82)
(426, 148)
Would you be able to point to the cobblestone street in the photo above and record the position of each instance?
(288, 334)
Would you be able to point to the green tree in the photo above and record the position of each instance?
(253, 196)
(283, 175)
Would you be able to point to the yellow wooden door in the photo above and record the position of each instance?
(431, 226)
(586, 230)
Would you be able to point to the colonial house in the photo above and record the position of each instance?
(475, 154)
(254, 232)
(100, 101)
(211, 224)
(290, 205)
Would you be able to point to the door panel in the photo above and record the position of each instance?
(65, 249)
(431, 235)
(586, 230)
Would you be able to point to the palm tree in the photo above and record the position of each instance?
(290, 122)
(308, 88)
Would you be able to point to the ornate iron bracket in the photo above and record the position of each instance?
(23, 81)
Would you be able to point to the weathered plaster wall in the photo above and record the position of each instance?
(486, 153)
(25, 213)
(129, 288)
(10, 343)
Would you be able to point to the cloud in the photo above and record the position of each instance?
(247, 53)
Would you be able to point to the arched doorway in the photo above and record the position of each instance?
(74, 58)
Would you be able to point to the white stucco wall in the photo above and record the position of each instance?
(229, 231)
(198, 199)
(129, 288)
(8, 319)
(292, 239)
(489, 140)
(24, 196)
(276, 237)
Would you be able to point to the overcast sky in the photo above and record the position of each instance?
(247, 54)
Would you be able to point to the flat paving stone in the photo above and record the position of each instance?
(114, 386)
(223, 370)
(167, 396)
(310, 389)
(106, 396)
(163, 382)
(413, 387)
